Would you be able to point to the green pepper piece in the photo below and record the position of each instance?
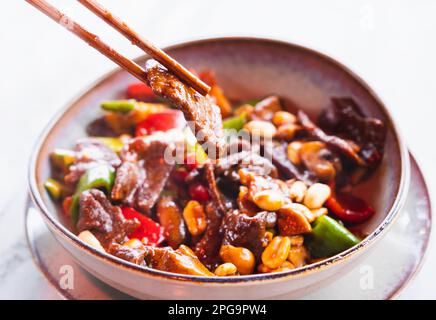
(115, 144)
(119, 106)
(192, 146)
(100, 176)
(63, 158)
(54, 188)
(235, 123)
(328, 238)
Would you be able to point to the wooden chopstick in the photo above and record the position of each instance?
(124, 62)
(90, 38)
(171, 64)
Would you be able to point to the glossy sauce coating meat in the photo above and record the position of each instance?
(142, 176)
(103, 219)
(202, 114)
(241, 230)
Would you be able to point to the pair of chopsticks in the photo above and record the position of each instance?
(132, 67)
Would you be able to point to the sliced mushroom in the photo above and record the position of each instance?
(319, 160)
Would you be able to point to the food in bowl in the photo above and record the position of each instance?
(263, 190)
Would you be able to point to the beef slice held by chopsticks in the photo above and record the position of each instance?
(203, 116)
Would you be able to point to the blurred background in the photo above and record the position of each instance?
(390, 44)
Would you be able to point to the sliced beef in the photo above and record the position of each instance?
(145, 171)
(103, 219)
(100, 128)
(207, 249)
(203, 116)
(133, 255)
(182, 261)
(89, 153)
(240, 230)
(217, 197)
(344, 117)
(347, 148)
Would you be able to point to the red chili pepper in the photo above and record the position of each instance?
(198, 192)
(180, 175)
(161, 121)
(66, 205)
(349, 208)
(149, 232)
(140, 92)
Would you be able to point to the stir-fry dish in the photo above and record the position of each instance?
(224, 205)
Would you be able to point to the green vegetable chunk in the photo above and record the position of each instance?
(63, 158)
(235, 123)
(54, 188)
(101, 176)
(328, 238)
(119, 106)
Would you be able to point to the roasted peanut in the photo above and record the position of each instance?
(242, 258)
(317, 195)
(293, 152)
(194, 217)
(87, 237)
(260, 128)
(286, 266)
(298, 207)
(296, 241)
(283, 117)
(276, 252)
(287, 131)
(269, 200)
(297, 256)
(226, 269)
(319, 212)
(297, 191)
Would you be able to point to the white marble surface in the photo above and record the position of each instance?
(389, 43)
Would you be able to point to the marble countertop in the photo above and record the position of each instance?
(43, 67)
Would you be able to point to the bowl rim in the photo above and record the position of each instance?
(57, 227)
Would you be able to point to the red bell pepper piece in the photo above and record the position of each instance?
(140, 92)
(198, 192)
(161, 121)
(149, 232)
(349, 208)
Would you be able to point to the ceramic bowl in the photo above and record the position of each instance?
(246, 68)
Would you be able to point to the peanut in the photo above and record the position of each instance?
(194, 217)
(226, 269)
(276, 252)
(269, 200)
(317, 195)
(241, 257)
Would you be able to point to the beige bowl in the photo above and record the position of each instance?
(246, 68)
